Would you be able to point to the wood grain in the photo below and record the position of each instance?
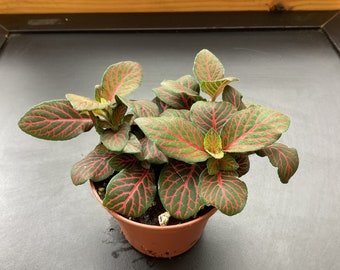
(108, 6)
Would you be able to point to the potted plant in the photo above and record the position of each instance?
(180, 155)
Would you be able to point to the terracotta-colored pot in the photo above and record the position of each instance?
(157, 241)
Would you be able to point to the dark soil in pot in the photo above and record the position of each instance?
(150, 217)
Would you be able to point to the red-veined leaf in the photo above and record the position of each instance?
(178, 189)
(215, 88)
(243, 163)
(189, 82)
(224, 191)
(131, 192)
(176, 95)
(151, 153)
(213, 144)
(116, 140)
(97, 93)
(284, 158)
(118, 114)
(207, 115)
(207, 67)
(123, 161)
(132, 146)
(120, 79)
(233, 96)
(176, 87)
(175, 137)
(162, 106)
(227, 163)
(252, 129)
(185, 114)
(81, 103)
(54, 120)
(141, 108)
(95, 166)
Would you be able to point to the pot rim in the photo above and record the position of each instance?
(146, 226)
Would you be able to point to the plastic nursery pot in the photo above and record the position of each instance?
(157, 241)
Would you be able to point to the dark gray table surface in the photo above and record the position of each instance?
(47, 223)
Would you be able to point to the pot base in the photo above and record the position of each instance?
(163, 242)
(160, 242)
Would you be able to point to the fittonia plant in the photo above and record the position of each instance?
(188, 148)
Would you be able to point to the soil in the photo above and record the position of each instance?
(150, 217)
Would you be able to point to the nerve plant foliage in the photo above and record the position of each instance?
(189, 148)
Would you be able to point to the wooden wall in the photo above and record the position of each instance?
(111, 6)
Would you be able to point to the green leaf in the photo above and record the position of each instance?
(207, 115)
(116, 140)
(231, 95)
(178, 189)
(95, 166)
(215, 88)
(141, 108)
(252, 129)
(213, 144)
(227, 163)
(81, 103)
(224, 191)
(207, 67)
(120, 79)
(284, 158)
(54, 120)
(175, 137)
(131, 192)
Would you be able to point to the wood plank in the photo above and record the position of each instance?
(108, 6)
